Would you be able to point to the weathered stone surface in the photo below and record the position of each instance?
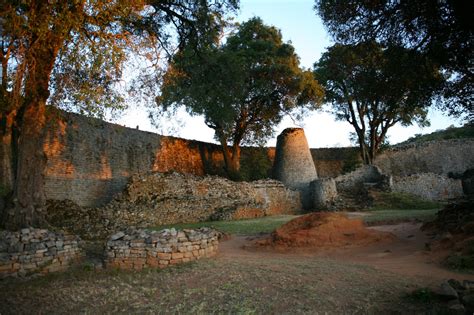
(324, 193)
(428, 186)
(42, 251)
(169, 248)
(158, 199)
(294, 164)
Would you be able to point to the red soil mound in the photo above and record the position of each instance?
(323, 229)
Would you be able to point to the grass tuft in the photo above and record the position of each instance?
(402, 201)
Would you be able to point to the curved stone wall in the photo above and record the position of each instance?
(138, 249)
(31, 251)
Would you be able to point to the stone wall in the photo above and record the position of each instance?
(138, 249)
(438, 157)
(31, 251)
(428, 186)
(89, 161)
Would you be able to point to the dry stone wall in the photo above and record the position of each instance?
(438, 157)
(294, 164)
(89, 161)
(138, 249)
(32, 251)
(428, 186)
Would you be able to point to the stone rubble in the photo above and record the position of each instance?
(457, 297)
(32, 251)
(136, 249)
(155, 199)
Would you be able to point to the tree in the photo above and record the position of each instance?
(441, 30)
(71, 52)
(243, 88)
(374, 87)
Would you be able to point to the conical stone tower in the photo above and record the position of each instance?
(294, 164)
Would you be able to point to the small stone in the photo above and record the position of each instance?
(446, 291)
(25, 231)
(468, 285)
(117, 236)
(456, 285)
(457, 308)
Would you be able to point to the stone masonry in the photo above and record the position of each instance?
(138, 249)
(31, 251)
(294, 164)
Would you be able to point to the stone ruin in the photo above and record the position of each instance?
(294, 165)
(138, 249)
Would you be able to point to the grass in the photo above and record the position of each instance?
(230, 285)
(402, 201)
(238, 227)
(395, 216)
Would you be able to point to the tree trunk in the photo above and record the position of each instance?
(7, 176)
(28, 202)
(231, 160)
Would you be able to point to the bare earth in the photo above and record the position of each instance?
(242, 278)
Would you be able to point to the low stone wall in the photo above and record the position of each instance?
(364, 174)
(138, 249)
(428, 186)
(31, 251)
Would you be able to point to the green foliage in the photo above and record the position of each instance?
(440, 30)
(239, 227)
(465, 132)
(255, 164)
(402, 201)
(243, 87)
(375, 87)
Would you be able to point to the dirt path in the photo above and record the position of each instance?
(406, 255)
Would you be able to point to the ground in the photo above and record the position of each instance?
(244, 279)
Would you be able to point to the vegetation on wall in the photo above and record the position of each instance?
(464, 132)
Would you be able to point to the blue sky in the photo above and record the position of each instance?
(299, 24)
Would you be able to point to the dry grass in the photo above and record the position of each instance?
(282, 284)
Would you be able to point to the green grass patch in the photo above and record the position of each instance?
(394, 216)
(402, 201)
(238, 227)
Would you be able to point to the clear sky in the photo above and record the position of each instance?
(299, 24)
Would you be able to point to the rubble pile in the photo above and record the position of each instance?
(158, 199)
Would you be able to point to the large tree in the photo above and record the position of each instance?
(243, 87)
(374, 87)
(441, 30)
(71, 52)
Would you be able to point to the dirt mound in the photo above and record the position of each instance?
(323, 229)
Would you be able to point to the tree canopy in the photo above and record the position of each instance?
(441, 30)
(243, 87)
(71, 53)
(374, 87)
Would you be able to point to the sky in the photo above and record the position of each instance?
(300, 25)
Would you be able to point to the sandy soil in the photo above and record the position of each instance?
(405, 254)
